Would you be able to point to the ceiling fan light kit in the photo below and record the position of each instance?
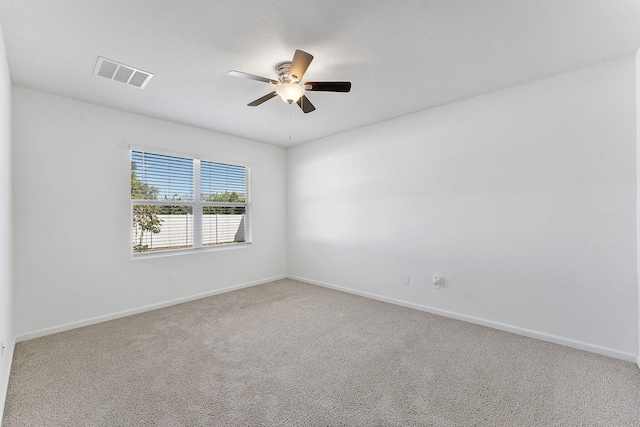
(290, 92)
(288, 85)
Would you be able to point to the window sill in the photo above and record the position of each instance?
(175, 252)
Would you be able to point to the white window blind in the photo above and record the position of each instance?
(223, 193)
(171, 176)
(166, 215)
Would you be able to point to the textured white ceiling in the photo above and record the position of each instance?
(401, 56)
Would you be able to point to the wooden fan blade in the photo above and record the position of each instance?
(328, 86)
(305, 104)
(251, 77)
(263, 99)
(299, 65)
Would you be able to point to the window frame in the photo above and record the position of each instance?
(196, 204)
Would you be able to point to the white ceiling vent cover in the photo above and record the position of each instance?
(122, 73)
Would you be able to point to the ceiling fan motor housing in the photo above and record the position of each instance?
(282, 70)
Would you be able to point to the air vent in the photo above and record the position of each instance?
(122, 73)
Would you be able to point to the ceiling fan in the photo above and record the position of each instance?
(289, 85)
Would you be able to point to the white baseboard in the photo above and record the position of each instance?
(125, 313)
(4, 387)
(580, 345)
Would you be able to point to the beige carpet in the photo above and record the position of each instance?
(292, 354)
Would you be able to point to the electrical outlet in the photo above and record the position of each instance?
(437, 282)
(172, 278)
(405, 280)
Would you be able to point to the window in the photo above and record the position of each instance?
(182, 203)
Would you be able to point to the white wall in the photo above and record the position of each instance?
(6, 279)
(523, 200)
(72, 157)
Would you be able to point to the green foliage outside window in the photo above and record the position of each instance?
(145, 217)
